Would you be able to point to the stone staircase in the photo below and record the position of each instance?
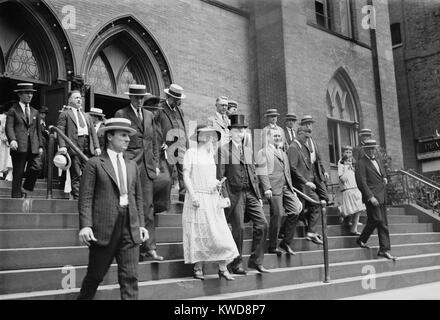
(41, 258)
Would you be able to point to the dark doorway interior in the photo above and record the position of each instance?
(110, 104)
(7, 94)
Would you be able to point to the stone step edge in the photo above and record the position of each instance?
(241, 295)
(250, 273)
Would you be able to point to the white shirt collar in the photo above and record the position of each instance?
(237, 145)
(172, 109)
(135, 109)
(113, 154)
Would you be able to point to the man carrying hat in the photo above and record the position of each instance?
(371, 181)
(144, 150)
(220, 121)
(289, 130)
(174, 134)
(78, 127)
(315, 155)
(358, 151)
(272, 119)
(236, 164)
(111, 216)
(23, 130)
(98, 117)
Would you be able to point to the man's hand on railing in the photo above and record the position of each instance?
(97, 151)
(311, 185)
(63, 150)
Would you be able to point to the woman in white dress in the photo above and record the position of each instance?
(5, 156)
(206, 235)
(352, 205)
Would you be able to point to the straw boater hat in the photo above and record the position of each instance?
(237, 121)
(365, 132)
(370, 144)
(291, 116)
(204, 129)
(96, 112)
(25, 87)
(62, 161)
(175, 91)
(137, 90)
(271, 113)
(232, 104)
(117, 124)
(307, 119)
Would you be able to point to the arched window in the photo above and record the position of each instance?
(22, 62)
(126, 78)
(342, 116)
(100, 75)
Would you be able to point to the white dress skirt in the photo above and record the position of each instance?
(351, 196)
(206, 235)
(5, 156)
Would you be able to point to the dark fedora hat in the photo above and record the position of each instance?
(370, 144)
(291, 116)
(271, 113)
(201, 128)
(237, 121)
(25, 87)
(152, 102)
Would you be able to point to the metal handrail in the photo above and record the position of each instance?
(50, 156)
(324, 231)
(419, 179)
(422, 177)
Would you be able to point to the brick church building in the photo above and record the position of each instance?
(307, 57)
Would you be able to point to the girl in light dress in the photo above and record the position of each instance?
(206, 235)
(5, 156)
(352, 205)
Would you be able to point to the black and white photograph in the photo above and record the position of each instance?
(222, 150)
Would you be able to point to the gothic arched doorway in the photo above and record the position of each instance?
(122, 53)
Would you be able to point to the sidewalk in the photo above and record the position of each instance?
(429, 291)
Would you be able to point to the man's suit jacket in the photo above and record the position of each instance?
(67, 124)
(274, 170)
(288, 140)
(99, 198)
(143, 146)
(18, 128)
(166, 124)
(319, 166)
(302, 171)
(229, 166)
(369, 181)
(218, 124)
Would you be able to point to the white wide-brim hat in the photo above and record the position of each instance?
(137, 90)
(175, 91)
(62, 161)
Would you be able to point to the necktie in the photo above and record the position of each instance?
(122, 185)
(28, 114)
(80, 118)
(139, 114)
(240, 149)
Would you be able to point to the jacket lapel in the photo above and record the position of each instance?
(305, 154)
(372, 167)
(20, 112)
(108, 167)
(134, 118)
(130, 173)
(72, 116)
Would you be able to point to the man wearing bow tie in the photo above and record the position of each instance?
(78, 127)
(23, 130)
(371, 181)
(274, 172)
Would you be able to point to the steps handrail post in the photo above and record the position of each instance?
(49, 160)
(325, 242)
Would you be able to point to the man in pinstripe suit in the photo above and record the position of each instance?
(111, 212)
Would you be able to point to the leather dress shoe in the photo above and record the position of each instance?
(198, 274)
(153, 254)
(386, 254)
(286, 248)
(316, 239)
(361, 244)
(239, 270)
(258, 267)
(276, 251)
(225, 274)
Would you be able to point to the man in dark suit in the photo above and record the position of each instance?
(78, 127)
(45, 136)
(236, 164)
(289, 130)
(315, 155)
(306, 179)
(274, 171)
(144, 150)
(111, 213)
(98, 119)
(174, 134)
(358, 151)
(371, 181)
(23, 130)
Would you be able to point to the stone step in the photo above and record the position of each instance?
(37, 193)
(340, 288)
(15, 281)
(187, 288)
(23, 258)
(38, 205)
(40, 184)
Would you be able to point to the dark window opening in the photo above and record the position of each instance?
(396, 35)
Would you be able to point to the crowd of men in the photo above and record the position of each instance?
(151, 132)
